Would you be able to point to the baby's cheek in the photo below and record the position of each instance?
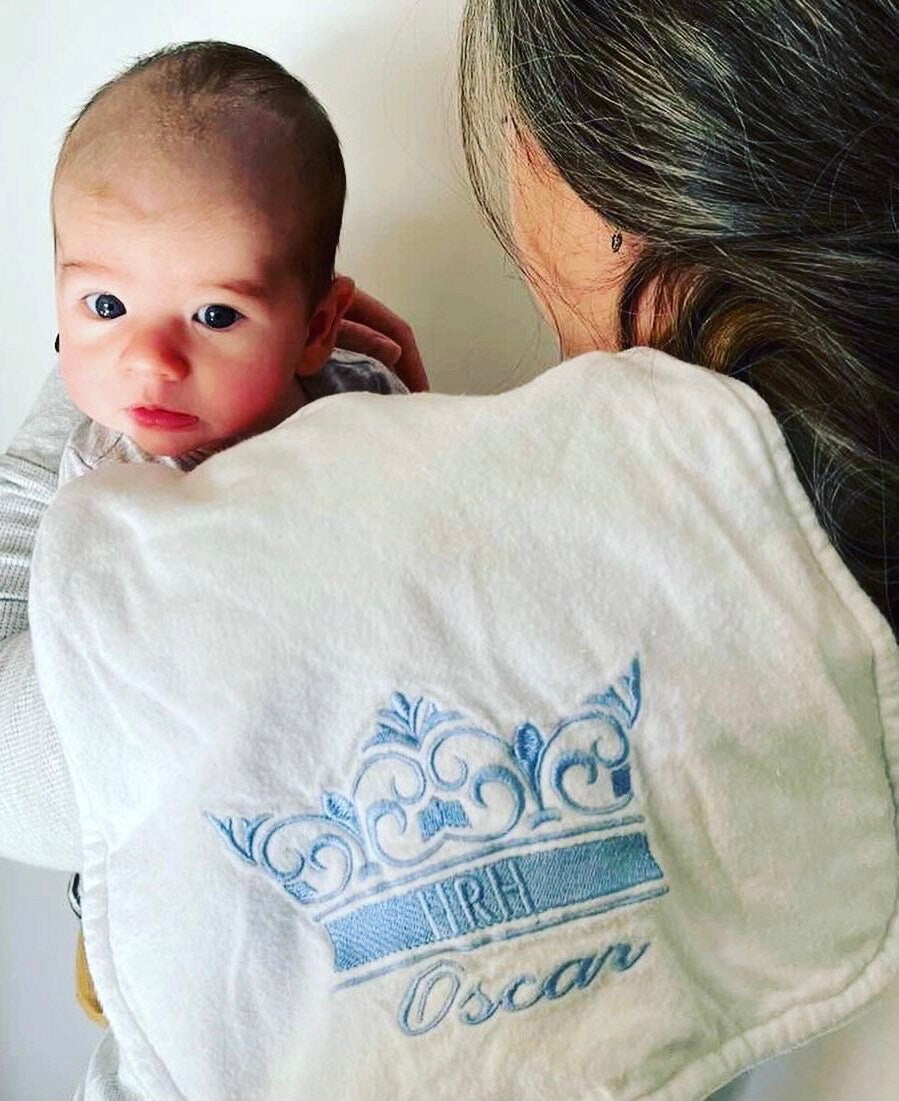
(80, 387)
(252, 398)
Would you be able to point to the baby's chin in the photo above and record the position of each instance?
(195, 448)
(161, 444)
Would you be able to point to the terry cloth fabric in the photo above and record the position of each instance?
(38, 813)
(575, 781)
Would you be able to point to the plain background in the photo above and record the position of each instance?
(385, 71)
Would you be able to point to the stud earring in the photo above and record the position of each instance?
(56, 342)
(616, 240)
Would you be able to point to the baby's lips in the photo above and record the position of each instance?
(156, 417)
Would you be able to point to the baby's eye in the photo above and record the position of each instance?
(106, 306)
(217, 317)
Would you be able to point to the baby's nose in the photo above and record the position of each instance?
(156, 353)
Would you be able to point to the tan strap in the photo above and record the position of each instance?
(84, 986)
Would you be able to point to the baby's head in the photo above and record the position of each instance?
(197, 205)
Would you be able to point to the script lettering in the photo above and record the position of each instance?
(436, 991)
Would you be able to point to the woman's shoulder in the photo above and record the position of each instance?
(632, 370)
(706, 416)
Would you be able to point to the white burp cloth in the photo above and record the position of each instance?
(532, 747)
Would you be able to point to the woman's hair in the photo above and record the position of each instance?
(752, 146)
(197, 83)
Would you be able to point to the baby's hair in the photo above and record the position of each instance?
(193, 83)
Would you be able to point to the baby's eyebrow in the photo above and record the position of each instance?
(85, 265)
(246, 288)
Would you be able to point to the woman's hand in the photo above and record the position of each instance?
(370, 328)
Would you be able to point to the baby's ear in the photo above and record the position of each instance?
(321, 334)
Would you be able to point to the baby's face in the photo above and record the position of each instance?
(181, 322)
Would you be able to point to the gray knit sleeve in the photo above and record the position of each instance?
(38, 814)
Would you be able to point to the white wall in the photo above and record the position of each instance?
(384, 70)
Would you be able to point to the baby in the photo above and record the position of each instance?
(197, 204)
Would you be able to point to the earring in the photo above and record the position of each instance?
(616, 240)
(56, 342)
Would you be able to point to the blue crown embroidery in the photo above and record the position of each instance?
(444, 833)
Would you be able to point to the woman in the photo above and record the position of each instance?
(699, 182)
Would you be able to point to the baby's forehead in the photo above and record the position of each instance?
(137, 132)
(180, 224)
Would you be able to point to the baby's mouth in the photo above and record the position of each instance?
(153, 416)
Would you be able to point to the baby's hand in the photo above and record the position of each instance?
(371, 329)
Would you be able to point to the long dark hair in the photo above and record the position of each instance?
(752, 145)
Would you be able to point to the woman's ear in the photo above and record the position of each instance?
(321, 332)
